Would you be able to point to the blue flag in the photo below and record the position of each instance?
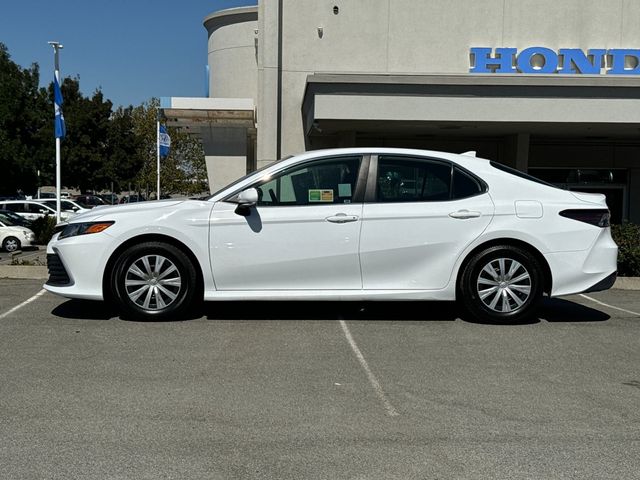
(60, 129)
(165, 141)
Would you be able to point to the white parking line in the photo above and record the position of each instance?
(391, 411)
(609, 306)
(26, 302)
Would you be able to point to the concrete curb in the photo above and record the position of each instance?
(41, 273)
(24, 271)
(627, 283)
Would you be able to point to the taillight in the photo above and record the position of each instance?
(597, 217)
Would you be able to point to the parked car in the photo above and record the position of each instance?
(70, 206)
(31, 209)
(15, 218)
(13, 236)
(41, 195)
(132, 199)
(89, 201)
(359, 224)
(109, 198)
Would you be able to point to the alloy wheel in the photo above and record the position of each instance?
(11, 245)
(153, 282)
(504, 285)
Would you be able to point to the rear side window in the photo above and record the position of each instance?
(402, 179)
(15, 207)
(464, 185)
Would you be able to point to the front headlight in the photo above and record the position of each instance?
(75, 229)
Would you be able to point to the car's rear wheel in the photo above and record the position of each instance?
(502, 284)
(154, 281)
(11, 244)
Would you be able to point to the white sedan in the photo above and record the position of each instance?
(345, 224)
(14, 237)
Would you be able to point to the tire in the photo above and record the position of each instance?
(11, 244)
(154, 281)
(501, 284)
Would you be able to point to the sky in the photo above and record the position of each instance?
(132, 50)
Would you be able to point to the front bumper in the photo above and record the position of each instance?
(82, 260)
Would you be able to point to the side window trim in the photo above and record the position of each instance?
(372, 181)
(364, 168)
(373, 198)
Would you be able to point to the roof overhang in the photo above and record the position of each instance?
(332, 101)
(194, 112)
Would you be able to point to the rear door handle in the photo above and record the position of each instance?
(464, 214)
(341, 218)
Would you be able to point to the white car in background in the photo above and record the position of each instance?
(68, 206)
(32, 209)
(14, 237)
(346, 224)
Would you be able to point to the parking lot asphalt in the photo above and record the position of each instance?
(303, 390)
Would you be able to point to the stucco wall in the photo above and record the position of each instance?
(232, 53)
(414, 37)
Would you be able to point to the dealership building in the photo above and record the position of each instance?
(548, 87)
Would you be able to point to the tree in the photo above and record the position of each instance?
(85, 148)
(183, 171)
(123, 162)
(23, 117)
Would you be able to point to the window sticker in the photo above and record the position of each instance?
(319, 195)
(344, 189)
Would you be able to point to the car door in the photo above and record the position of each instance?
(37, 210)
(22, 209)
(419, 215)
(303, 234)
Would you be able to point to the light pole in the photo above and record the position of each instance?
(56, 49)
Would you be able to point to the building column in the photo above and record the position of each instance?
(517, 150)
(226, 152)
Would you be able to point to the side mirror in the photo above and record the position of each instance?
(246, 199)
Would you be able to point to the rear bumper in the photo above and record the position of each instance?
(584, 270)
(605, 284)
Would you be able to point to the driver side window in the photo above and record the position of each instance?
(331, 180)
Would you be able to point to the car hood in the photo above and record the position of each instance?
(141, 207)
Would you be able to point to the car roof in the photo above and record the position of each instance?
(37, 202)
(466, 160)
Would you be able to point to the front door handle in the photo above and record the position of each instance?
(341, 218)
(464, 214)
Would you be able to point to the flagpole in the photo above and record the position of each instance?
(158, 155)
(56, 49)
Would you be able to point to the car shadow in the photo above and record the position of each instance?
(552, 310)
(329, 310)
(555, 310)
(85, 310)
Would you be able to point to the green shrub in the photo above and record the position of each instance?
(43, 229)
(627, 236)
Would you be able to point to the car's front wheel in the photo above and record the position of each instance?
(502, 284)
(11, 244)
(154, 281)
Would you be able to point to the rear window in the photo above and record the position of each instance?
(520, 174)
